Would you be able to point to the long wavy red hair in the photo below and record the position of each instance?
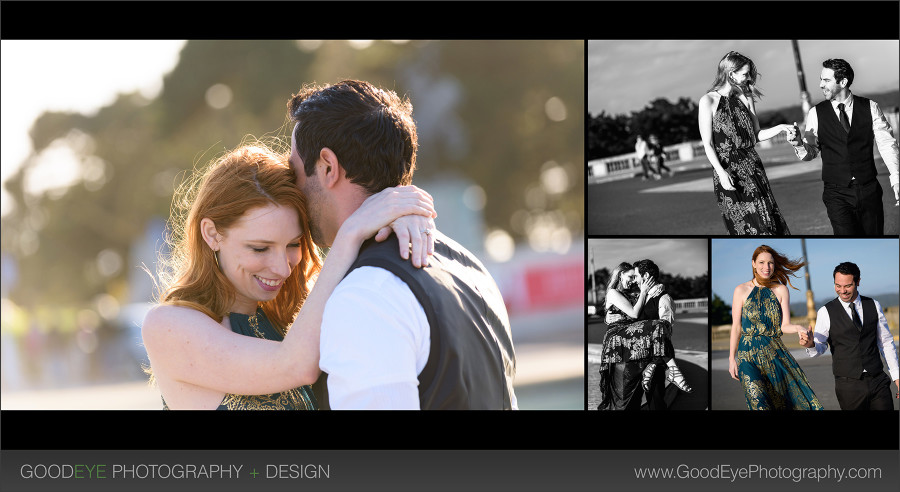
(784, 268)
(245, 178)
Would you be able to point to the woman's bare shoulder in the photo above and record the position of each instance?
(166, 312)
(164, 318)
(710, 98)
(613, 294)
(743, 289)
(780, 290)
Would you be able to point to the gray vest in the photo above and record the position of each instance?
(471, 364)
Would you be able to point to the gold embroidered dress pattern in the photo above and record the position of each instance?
(302, 398)
(771, 378)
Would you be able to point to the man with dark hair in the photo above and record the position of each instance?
(394, 335)
(627, 376)
(855, 328)
(843, 129)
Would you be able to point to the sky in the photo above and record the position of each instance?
(685, 257)
(623, 76)
(81, 76)
(877, 260)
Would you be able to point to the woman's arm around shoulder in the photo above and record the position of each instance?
(187, 346)
(615, 298)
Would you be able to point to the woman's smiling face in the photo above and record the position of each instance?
(258, 253)
(764, 265)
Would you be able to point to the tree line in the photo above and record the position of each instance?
(677, 287)
(672, 123)
(488, 127)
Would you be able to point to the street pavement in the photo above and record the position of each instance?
(690, 339)
(729, 395)
(685, 204)
(549, 359)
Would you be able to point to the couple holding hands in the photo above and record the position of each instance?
(843, 129)
(852, 326)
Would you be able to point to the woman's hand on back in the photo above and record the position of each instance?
(415, 235)
(407, 210)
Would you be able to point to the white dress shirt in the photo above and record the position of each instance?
(884, 137)
(666, 310)
(883, 336)
(375, 341)
(640, 147)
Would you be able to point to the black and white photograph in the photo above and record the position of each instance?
(743, 137)
(647, 324)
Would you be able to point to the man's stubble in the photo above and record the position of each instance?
(315, 201)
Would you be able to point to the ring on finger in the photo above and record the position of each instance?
(426, 231)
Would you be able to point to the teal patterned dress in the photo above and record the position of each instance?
(302, 398)
(771, 378)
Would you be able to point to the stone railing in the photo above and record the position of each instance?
(628, 165)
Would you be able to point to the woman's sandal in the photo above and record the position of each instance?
(674, 376)
(647, 376)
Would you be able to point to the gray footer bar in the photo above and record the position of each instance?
(449, 470)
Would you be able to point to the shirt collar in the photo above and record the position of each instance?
(855, 302)
(846, 102)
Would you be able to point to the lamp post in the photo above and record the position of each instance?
(804, 94)
(593, 279)
(810, 304)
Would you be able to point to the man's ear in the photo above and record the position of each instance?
(210, 234)
(332, 172)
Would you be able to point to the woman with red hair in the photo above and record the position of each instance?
(771, 378)
(229, 331)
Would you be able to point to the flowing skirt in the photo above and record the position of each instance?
(642, 341)
(771, 378)
(750, 208)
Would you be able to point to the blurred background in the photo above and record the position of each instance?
(97, 135)
(684, 272)
(731, 260)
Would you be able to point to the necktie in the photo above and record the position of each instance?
(855, 316)
(845, 122)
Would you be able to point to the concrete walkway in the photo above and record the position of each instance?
(729, 395)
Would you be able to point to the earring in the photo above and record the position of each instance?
(216, 256)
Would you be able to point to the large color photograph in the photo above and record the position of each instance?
(223, 224)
